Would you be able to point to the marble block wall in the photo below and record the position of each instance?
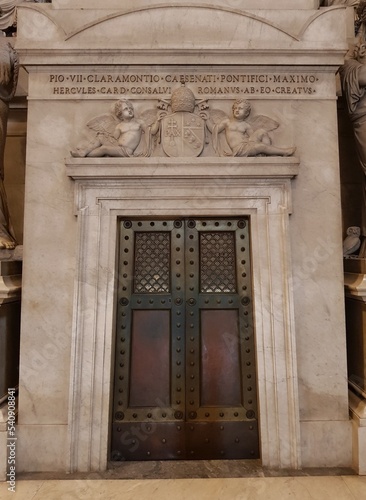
(65, 42)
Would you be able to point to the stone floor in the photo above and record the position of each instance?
(193, 480)
(254, 488)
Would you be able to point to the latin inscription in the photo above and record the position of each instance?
(205, 85)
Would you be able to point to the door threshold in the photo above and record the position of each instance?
(185, 469)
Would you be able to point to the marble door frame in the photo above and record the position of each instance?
(106, 189)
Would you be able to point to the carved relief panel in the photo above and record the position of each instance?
(183, 125)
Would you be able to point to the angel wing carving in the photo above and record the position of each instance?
(104, 126)
(263, 122)
(243, 134)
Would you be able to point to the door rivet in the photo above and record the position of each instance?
(116, 456)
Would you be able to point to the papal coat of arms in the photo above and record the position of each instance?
(183, 131)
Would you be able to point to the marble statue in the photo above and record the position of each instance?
(9, 68)
(352, 242)
(245, 136)
(353, 77)
(119, 133)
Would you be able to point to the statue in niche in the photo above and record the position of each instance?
(119, 133)
(245, 136)
(353, 77)
(9, 69)
(352, 242)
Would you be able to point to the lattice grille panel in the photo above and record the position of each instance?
(217, 262)
(152, 262)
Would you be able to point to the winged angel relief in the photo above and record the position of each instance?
(119, 133)
(182, 132)
(245, 136)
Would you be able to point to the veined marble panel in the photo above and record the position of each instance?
(51, 442)
(336, 444)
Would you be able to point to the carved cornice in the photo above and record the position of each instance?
(66, 56)
(76, 36)
(119, 168)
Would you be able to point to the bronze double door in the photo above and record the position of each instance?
(185, 374)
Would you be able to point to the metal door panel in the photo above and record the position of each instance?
(184, 309)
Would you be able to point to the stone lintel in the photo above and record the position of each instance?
(205, 168)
